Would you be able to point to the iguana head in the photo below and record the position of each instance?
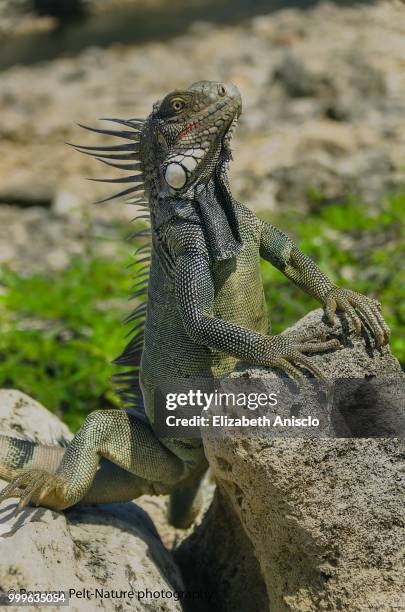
(180, 151)
(185, 134)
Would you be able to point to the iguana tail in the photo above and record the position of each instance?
(17, 453)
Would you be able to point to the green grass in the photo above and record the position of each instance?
(60, 333)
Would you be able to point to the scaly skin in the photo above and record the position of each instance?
(205, 310)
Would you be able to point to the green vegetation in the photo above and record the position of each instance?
(60, 334)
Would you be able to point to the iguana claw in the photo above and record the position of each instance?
(36, 486)
(359, 308)
(287, 351)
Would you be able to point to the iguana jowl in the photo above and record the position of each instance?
(205, 307)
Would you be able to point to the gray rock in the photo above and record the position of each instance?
(314, 184)
(297, 80)
(111, 547)
(310, 182)
(315, 524)
(65, 203)
(21, 415)
(352, 81)
(36, 239)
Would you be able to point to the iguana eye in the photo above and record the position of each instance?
(178, 104)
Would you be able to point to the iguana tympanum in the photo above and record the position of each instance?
(205, 308)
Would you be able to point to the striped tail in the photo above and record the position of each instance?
(17, 454)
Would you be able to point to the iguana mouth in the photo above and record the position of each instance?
(198, 123)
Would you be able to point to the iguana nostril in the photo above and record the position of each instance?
(221, 90)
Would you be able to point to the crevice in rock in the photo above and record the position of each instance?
(26, 201)
(228, 572)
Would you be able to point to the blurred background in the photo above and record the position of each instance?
(320, 152)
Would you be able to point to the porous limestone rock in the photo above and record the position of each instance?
(308, 524)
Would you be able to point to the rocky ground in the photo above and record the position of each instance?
(312, 523)
(305, 524)
(324, 113)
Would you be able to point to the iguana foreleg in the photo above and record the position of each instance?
(277, 248)
(195, 295)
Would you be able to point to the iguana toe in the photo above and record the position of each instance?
(36, 486)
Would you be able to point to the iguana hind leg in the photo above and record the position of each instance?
(186, 502)
(113, 483)
(115, 435)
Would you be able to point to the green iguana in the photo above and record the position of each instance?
(205, 309)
